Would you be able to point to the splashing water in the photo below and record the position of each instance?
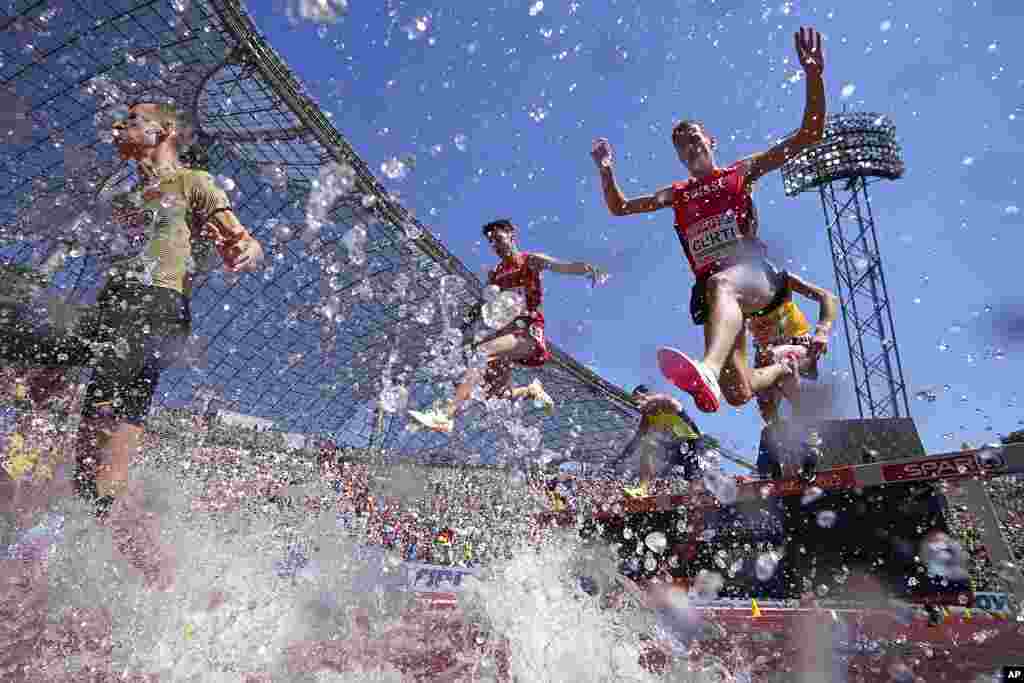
(503, 309)
(556, 631)
(316, 11)
(943, 556)
(394, 398)
(721, 486)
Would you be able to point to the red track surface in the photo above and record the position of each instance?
(777, 641)
(968, 644)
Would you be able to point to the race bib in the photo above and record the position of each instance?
(714, 239)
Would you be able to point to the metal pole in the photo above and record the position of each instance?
(902, 388)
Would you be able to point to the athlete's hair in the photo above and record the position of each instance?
(692, 123)
(167, 112)
(500, 224)
(640, 389)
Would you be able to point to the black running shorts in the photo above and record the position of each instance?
(698, 294)
(128, 337)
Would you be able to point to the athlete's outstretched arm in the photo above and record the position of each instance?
(545, 262)
(240, 250)
(216, 220)
(613, 197)
(812, 59)
(828, 310)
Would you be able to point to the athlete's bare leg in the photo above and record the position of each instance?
(725, 320)
(507, 347)
(106, 449)
(739, 383)
(731, 295)
(111, 446)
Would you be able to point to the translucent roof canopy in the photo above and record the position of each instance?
(312, 341)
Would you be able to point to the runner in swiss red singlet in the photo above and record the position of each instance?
(717, 226)
(522, 341)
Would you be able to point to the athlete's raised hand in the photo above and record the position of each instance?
(602, 153)
(808, 50)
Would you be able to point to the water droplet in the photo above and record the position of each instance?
(505, 308)
(394, 398)
(1009, 573)
(225, 183)
(459, 140)
(848, 90)
(826, 519)
(317, 11)
(536, 8)
(943, 556)
(394, 168)
(656, 541)
(706, 586)
(766, 565)
(885, 26)
(721, 486)
(810, 495)
(425, 313)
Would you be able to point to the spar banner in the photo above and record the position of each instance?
(435, 578)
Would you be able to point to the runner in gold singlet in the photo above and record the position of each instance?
(782, 334)
(663, 446)
(170, 224)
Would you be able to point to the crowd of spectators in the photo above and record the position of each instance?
(465, 515)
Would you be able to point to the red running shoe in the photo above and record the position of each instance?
(691, 376)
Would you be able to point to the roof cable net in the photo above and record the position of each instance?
(356, 313)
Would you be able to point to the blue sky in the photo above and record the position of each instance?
(530, 92)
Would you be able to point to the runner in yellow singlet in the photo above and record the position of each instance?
(781, 333)
(663, 446)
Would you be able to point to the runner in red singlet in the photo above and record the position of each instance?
(522, 341)
(717, 226)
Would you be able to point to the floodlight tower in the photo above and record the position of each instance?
(858, 149)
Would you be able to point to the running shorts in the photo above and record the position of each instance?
(499, 370)
(127, 337)
(698, 294)
(674, 458)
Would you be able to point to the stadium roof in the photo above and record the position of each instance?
(262, 342)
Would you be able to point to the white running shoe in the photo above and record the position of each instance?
(434, 420)
(540, 396)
